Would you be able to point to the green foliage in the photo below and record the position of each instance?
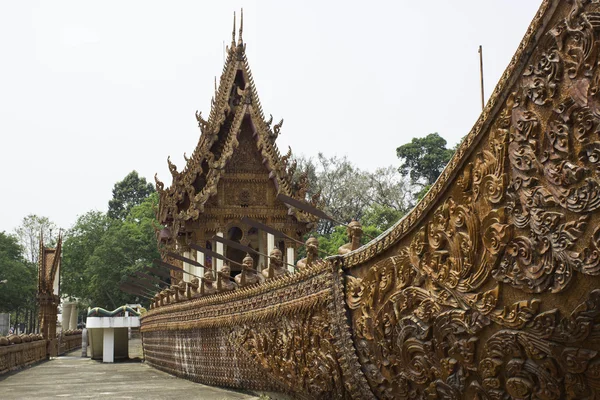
(381, 217)
(78, 247)
(100, 252)
(421, 193)
(347, 192)
(129, 192)
(331, 242)
(19, 290)
(424, 158)
(29, 235)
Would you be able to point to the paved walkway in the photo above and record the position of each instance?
(82, 378)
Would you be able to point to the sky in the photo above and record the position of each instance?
(90, 91)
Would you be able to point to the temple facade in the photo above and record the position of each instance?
(235, 171)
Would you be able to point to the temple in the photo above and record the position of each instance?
(488, 289)
(235, 171)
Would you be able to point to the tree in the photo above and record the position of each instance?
(19, 274)
(79, 245)
(29, 235)
(101, 252)
(424, 158)
(381, 217)
(347, 192)
(17, 293)
(129, 192)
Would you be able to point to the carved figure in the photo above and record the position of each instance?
(208, 286)
(275, 267)
(192, 287)
(224, 282)
(354, 234)
(249, 274)
(312, 254)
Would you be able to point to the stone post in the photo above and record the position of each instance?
(66, 316)
(73, 321)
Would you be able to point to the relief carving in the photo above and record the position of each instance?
(453, 313)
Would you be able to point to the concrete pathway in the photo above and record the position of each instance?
(82, 378)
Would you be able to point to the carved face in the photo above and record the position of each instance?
(276, 255)
(248, 262)
(312, 245)
(354, 229)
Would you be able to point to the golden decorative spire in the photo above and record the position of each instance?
(233, 31)
(240, 41)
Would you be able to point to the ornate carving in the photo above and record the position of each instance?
(516, 223)
(488, 289)
(354, 234)
(312, 254)
(298, 351)
(275, 268)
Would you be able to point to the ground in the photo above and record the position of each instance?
(72, 376)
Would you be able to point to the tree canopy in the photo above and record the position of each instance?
(29, 233)
(347, 192)
(129, 192)
(20, 275)
(424, 158)
(100, 252)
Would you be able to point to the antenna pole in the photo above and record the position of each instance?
(481, 75)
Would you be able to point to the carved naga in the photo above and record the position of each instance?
(488, 289)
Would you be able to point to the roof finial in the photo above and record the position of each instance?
(233, 31)
(215, 86)
(240, 41)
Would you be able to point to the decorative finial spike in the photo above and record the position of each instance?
(240, 41)
(215, 86)
(233, 32)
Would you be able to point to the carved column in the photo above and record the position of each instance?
(270, 246)
(186, 267)
(290, 257)
(262, 249)
(200, 258)
(219, 250)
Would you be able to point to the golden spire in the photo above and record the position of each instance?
(240, 41)
(233, 31)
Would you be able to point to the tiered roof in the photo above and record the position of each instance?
(235, 100)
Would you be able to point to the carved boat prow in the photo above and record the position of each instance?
(488, 288)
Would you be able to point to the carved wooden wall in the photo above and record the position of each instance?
(492, 290)
(488, 289)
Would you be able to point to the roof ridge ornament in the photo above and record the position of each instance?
(240, 40)
(233, 32)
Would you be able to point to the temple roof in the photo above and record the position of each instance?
(235, 102)
(48, 264)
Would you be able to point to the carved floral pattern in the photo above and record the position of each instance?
(450, 313)
(297, 351)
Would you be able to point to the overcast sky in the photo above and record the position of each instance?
(92, 90)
